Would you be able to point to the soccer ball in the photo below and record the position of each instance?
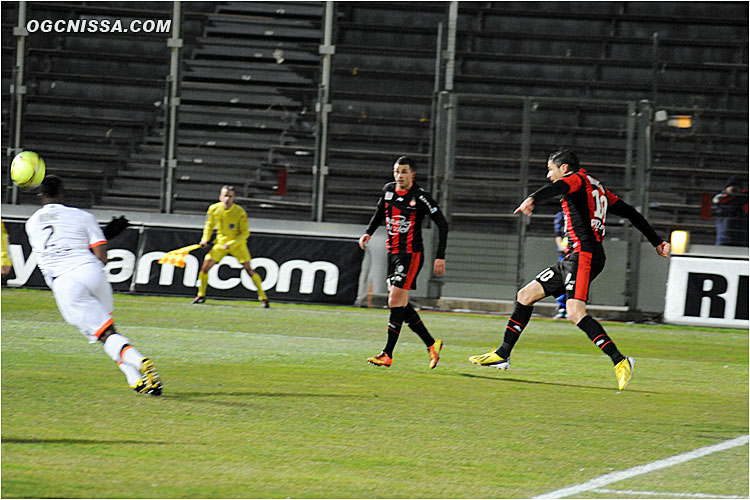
(27, 169)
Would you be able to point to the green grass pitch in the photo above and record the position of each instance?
(279, 402)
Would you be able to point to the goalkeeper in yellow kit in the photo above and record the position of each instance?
(230, 222)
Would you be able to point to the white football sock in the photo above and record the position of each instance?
(114, 345)
(114, 349)
(131, 373)
(132, 357)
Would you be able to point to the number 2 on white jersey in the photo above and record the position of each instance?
(49, 236)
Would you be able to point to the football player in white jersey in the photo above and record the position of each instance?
(71, 252)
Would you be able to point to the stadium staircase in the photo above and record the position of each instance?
(90, 96)
(245, 116)
(381, 90)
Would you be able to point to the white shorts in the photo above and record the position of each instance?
(84, 298)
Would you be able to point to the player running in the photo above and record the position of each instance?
(232, 231)
(585, 203)
(71, 252)
(403, 205)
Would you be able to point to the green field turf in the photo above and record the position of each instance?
(280, 402)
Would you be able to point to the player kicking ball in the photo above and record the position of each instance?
(403, 205)
(71, 252)
(232, 231)
(585, 204)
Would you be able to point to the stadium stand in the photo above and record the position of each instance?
(603, 51)
(246, 115)
(248, 88)
(90, 95)
(8, 19)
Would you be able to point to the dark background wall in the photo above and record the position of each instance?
(249, 81)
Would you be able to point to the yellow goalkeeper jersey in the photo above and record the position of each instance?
(231, 225)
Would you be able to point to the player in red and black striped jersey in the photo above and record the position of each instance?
(403, 206)
(585, 204)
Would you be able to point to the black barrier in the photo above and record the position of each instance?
(121, 254)
(292, 268)
(121, 258)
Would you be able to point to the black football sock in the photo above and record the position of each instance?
(516, 323)
(412, 319)
(394, 328)
(599, 337)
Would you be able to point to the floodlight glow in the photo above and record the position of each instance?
(680, 121)
(679, 241)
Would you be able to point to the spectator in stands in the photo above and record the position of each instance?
(6, 262)
(232, 231)
(731, 210)
(561, 241)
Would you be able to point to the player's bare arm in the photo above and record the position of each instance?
(363, 240)
(526, 207)
(439, 267)
(101, 253)
(663, 249)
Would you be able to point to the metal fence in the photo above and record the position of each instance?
(490, 152)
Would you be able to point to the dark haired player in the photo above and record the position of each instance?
(585, 204)
(71, 252)
(403, 205)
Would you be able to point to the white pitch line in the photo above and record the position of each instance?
(662, 494)
(638, 470)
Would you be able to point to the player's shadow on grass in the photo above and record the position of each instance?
(203, 397)
(557, 384)
(17, 440)
(188, 395)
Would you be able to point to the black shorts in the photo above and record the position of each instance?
(403, 269)
(572, 275)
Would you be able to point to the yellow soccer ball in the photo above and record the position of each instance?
(27, 169)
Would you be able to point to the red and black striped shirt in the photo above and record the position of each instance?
(403, 212)
(585, 211)
(585, 204)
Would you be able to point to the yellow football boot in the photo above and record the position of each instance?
(491, 359)
(151, 380)
(434, 351)
(624, 372)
